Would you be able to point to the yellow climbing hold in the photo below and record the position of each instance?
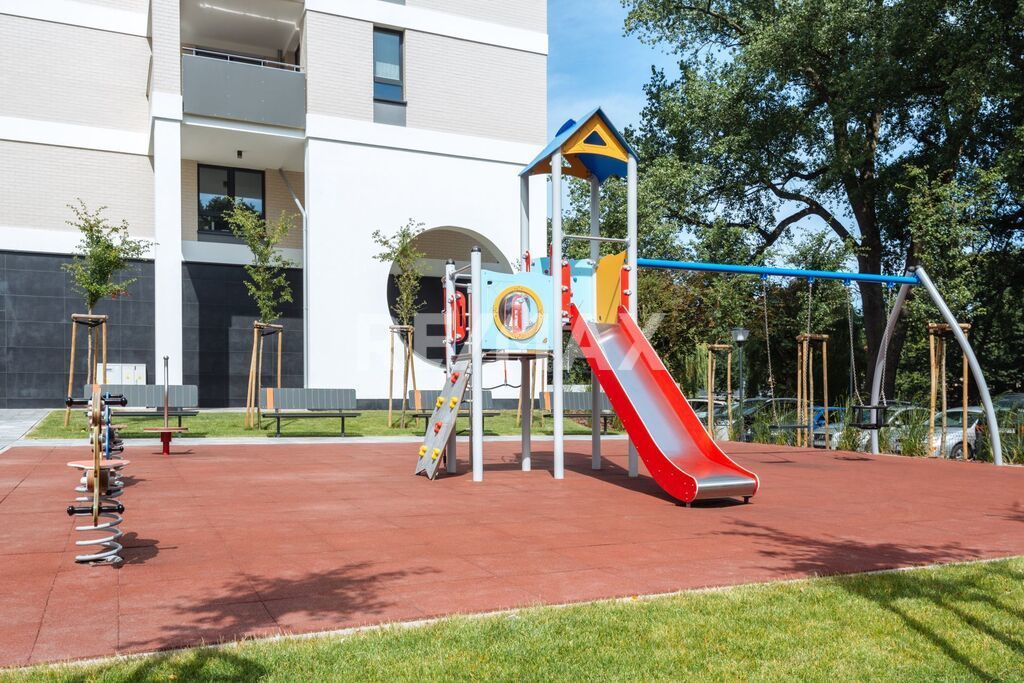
(423, 449)
(440, 401)
(454, 402)
(435, 454)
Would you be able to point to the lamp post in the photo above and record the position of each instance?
(739, 337)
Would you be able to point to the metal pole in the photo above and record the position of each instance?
(476, 374)
(631, 260)
(526, 408)
(876, 378)
(524, 219)
(558, 447)
(743, 395)
(451, 451)
(595, 385)
(782, 272)
(972, 360)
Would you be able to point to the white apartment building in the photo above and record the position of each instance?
(349, 115)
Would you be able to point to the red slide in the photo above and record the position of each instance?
(668, 435)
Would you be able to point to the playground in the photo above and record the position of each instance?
(225, 543)
(189, 544)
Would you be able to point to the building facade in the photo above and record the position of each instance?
(346, 116)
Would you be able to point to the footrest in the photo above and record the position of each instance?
(87, 509)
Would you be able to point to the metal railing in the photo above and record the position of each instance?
(241, 59)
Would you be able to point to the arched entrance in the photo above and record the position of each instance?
(438, 245)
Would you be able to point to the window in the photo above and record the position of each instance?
(219, 188)
(387, 65)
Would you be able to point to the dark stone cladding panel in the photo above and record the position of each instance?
(36, 302)
(217, 337)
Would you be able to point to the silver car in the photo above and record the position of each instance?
(952, 445)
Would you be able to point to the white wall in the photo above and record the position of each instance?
(352, 190)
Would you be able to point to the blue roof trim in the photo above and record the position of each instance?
(602, 167)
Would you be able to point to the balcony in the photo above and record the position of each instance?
(243, 88)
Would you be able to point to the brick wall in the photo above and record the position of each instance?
(527, 14)
(474, 89)
(38, 181)
(64, 73)
(338, 53)
(166, 36)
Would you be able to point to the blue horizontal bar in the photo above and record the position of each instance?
(781, 272)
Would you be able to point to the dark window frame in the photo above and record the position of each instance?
(401, 67)
(230, 193)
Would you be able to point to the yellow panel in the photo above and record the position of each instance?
(612, 147)
(609, 294)
(576, 168)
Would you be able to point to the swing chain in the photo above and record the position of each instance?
(853, 355)
(768, 346)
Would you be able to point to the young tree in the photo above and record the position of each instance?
(268, 282)
(103, 253)
(399, 249)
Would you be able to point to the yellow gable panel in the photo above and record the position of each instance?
(575, 168)
(577, 144)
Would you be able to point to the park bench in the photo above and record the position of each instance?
(307, 404)
(147, 400)
(578, 404)
(422, 402)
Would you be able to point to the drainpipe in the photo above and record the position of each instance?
(305, 279)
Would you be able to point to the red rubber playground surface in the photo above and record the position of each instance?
(225, 542)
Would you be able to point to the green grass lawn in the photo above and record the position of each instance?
(961, 622)
(224, 424)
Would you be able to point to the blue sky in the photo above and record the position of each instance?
(590, 62)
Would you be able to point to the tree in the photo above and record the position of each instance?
(821, 112)
(268, 280)
(104, 251)
(399, 249)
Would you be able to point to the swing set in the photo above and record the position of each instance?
(874, 412)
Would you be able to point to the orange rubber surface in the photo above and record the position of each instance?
(224, 542)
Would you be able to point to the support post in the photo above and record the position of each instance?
(558, 445)
(526, 409)
(972, 361)
(477, 363)
(595, 385)
(631, 259)
(524, 219)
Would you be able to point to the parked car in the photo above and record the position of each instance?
(954, 433)
(896, 414)
(1009, 401)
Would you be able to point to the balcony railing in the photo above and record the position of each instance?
(243, 88)
(240, 59)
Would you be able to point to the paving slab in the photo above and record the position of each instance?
(234, 541)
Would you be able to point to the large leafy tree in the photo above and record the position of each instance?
(836, 115)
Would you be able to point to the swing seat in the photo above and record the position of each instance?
(862, 417)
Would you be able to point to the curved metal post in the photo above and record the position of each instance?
(476, 360)
(883, 349)
(557, 315)
(972, 360)
(631, 261)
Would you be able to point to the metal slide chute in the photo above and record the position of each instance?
(679, 454)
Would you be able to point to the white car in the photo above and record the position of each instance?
(897, 415)
(954, 435)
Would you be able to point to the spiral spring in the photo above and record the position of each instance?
(101, 484)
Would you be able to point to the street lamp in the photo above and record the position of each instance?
(739, 337)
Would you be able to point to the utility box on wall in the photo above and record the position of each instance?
(123, 373)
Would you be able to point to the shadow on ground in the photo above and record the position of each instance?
(900, 593)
